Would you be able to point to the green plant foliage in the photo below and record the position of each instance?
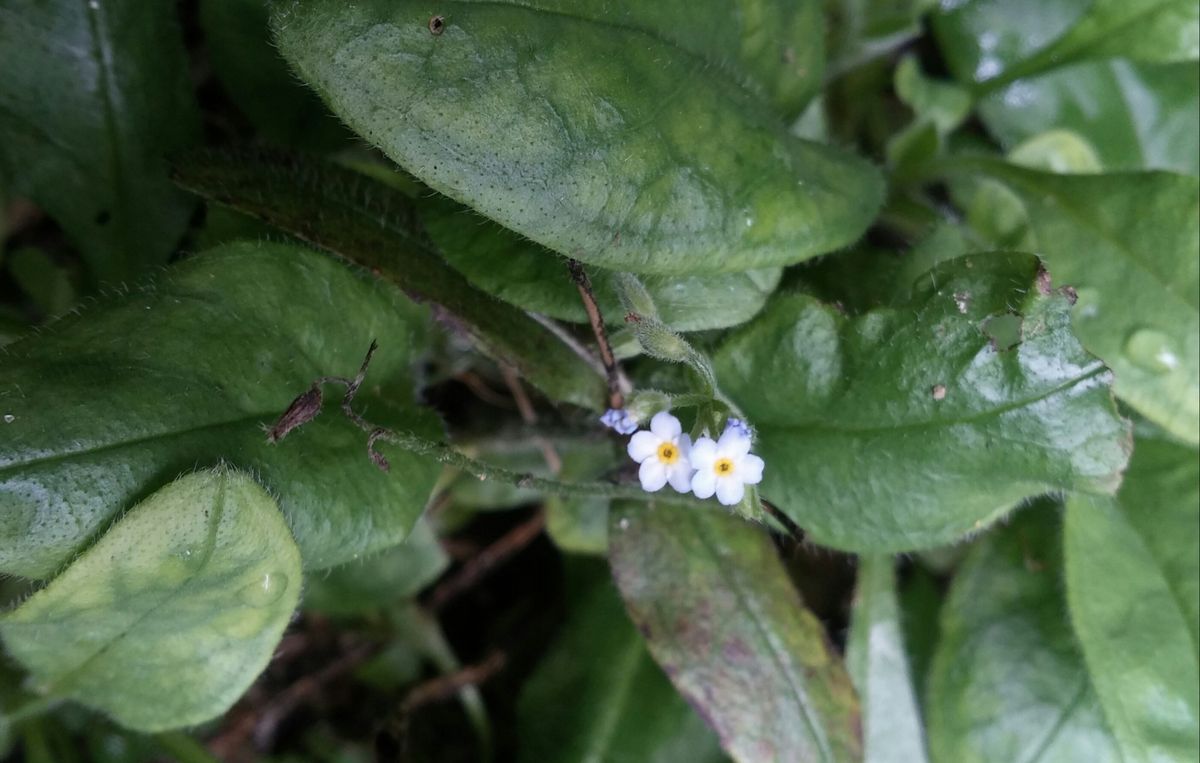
(520, 272)
(614, 705)
(484, 295)
(993, 42)
(378, 581)
(1132, 584)
(1135, 116)
(717, 610)
(103, 407)
(92, 97)
(552, 123)
(189, 590)
(908, 428)
(375, 227)
(875, 657)
(258, 80)
(1008, 681)
(1129, 243)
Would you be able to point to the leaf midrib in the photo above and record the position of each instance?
(826, 426)
(781, 661)
(64, 681)
(15, 465)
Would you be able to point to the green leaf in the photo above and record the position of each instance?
(993, 42)
(1008, 682)
(104, 406)
(907, 428)
(598, 696)
(714, 602)
(524, 274)
(92, 98)
(943, 104)
(597, 131)
(1129, 243)
(192, 588)
(374, 226)
(258, 80)
(1136, 116)
(1132, 572)
(861, 30)
(875, 657)
(380, 580)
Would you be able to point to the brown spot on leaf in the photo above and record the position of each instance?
(437, 25)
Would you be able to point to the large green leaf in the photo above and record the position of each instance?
(1132, 583)
(258, 80)
(1129, 243)
(993, 42)
(592, 129)
(714, 603)
(175, 610)
(598, 696)
(1135, 116)
(106, 405)
(525, 274)
(1008, 682)
(92, 97)
(908, 427)
(375, 226)
(875, 657)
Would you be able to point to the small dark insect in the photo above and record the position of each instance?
(437, 25)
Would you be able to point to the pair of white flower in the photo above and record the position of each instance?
(668, 456)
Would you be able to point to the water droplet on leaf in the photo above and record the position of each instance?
(1152, 350)
(266, 590)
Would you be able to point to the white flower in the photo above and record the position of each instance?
(726, 466)
(663, 454)
(619, 420)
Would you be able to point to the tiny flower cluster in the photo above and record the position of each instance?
(708, 467)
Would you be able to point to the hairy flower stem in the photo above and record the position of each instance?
(444, 454)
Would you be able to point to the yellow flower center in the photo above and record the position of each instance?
(723, 467)
(668, 453)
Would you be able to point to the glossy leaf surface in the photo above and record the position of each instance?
(1132, 584)
(1008, 681)
(992, 42)
(1129, 243)
(1135, 116)
(875, 656)
(906, 428)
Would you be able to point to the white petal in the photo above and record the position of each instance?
(685, 446)
(643, 445)
(730, 490)
(750, 470)
(704, 483)
(733, 444)
(665, 426)
(680, 476)
(653, 475)
(703, 454)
